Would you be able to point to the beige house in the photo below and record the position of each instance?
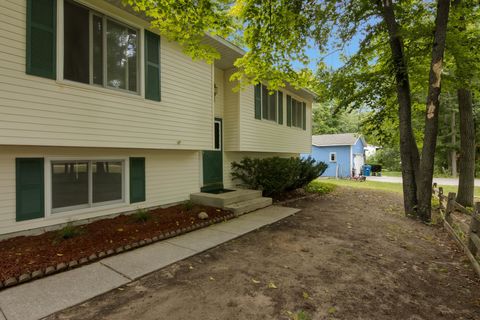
(99, 115)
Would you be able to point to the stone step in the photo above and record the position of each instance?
(224, 199)
(246, 206)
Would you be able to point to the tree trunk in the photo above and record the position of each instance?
(454, 143)
(424, 183)
(408, 146)
(466, 182)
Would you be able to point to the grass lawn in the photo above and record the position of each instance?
(386, 173)
(391, 173)
(387, 186)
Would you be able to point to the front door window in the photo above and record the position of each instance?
(218, 135)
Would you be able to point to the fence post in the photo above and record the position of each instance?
(440, 197)
(450, 206)
(474, 228)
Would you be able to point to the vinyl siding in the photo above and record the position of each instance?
(220, 97)
(38, 111)
(269, 136)
(322, 154)
(229, 157)
(171, 176)
(231, 114)
(358, 147)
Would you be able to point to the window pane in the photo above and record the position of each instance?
(117, 39)
(97, 36)
(107, 180)
(264, 102)
(121, 57)
(217, 135)
(69, 184)
(294, 112)
(132, 60)
(76, 49)
(299, 114)
(272, 106)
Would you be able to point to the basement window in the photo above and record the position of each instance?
(83, 184)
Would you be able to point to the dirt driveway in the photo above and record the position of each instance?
(347, 255)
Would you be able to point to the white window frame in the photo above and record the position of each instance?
(334, 154)
(105, 15)
(78, 209)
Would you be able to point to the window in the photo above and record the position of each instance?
(99, 50)
(333, 157)
(265, 103)
(297, 116)
(218, 135)
(82, 184)
(296, 113)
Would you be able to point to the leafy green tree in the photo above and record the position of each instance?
(397, 68)
(464, 35)
(327, 120)
(187, 22)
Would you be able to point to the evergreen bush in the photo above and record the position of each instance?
(276, 175)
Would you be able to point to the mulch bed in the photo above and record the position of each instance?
(27, 257)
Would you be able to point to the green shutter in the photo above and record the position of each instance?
(289, 111)
(280, 107)
(152, 66)
(137, 180)
(30, 193)
(41, 38)
(304, 114)
(258, 101)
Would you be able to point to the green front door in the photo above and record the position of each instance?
(213, 162)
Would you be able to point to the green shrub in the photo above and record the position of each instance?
(69, 231)
(320, 187)
(188, 205)
(141, 215)
(276, 175)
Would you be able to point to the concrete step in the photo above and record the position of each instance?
(246, 206)
(224, 199)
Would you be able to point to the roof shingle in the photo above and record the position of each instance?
(340, 139)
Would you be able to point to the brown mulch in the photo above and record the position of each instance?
(26, 254)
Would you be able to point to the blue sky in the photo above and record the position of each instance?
(333, 58)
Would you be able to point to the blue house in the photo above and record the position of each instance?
(344, 153)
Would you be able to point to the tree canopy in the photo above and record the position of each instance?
(406, 48)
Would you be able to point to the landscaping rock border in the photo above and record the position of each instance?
(61, 267)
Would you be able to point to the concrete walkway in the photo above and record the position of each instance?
(43, 297)
(439, 181)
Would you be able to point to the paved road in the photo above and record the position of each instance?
(440, 181)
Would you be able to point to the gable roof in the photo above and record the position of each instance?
(229, 53)
(339, 139)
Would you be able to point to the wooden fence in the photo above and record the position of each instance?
(448, 205)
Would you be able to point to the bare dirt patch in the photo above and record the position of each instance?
(347, 255)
